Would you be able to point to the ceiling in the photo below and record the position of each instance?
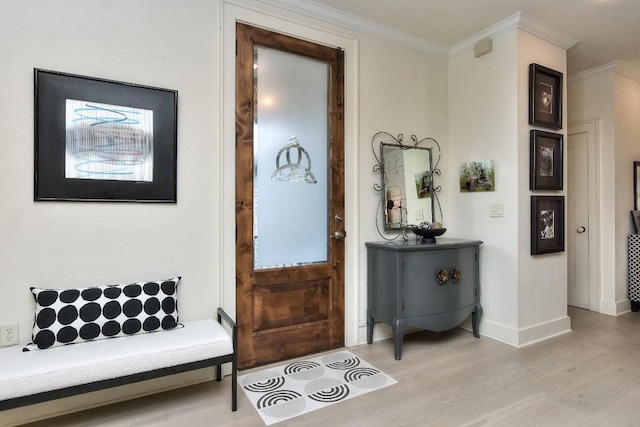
(607, 30)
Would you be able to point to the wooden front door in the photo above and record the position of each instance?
(289, 197)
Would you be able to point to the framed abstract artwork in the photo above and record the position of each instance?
(545, 97)
(103, 140)
(546, 160)
(547, 224)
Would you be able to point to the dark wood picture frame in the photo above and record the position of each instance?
(103, 140)
(545, 97)
(547, 224)
(546, 160)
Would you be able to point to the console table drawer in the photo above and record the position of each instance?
(423, 293)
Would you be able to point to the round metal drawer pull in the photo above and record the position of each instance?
(442, 277)
(456, 274)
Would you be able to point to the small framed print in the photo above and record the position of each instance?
(545, 97)
(547, 224)
(546, 161)
(103, 140)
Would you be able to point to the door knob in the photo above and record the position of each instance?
(339, 235)
(581, 229)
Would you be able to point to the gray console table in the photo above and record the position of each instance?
(433, 286)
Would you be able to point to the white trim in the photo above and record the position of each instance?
(521, 21)
(614, 308)
(352, 22)
(526, 336)
(619, 67)
(355, 23)
(542, 30)
(544, 331)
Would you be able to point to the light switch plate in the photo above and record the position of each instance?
(496, 210)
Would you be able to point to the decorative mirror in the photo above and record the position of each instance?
(408, 191)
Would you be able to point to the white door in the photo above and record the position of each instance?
(582, 231)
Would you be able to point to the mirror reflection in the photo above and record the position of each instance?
(407, 181)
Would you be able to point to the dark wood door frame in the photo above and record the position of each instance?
(264, 336)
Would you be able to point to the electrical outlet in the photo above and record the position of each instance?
(419, 215)
(9, 335)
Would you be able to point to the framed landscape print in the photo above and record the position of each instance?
(545, 97)
(547, 224)
(102, 140)
(546, 160)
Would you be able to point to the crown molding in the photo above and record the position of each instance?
(619, 67)
(352, 22)
(520, 21)
(542, 30)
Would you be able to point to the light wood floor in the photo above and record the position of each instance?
(589, 377)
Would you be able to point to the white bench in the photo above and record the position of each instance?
(33, 377)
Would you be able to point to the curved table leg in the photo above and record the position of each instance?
(398, 334)
(475, 320)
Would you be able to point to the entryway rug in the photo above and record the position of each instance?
(286, 391)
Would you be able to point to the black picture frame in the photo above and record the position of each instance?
(636, 185)
(547, 224)
(103, 140)
(545, 97)
(546, 160)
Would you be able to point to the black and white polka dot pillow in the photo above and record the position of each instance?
(67, 316)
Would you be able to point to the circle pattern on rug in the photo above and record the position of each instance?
(277, 397)
(359, 373)
(302, 392)
(266, 385)
(367, 378)
(300, 366)
(304, 370)
(349, 363)
(331, 395)
(260, 376)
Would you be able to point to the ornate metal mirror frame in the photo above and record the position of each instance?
(409, 194)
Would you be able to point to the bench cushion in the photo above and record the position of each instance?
(26, 373)
(67, 316)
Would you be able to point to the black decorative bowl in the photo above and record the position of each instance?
(428, 234)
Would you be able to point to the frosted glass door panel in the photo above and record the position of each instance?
(290, 193)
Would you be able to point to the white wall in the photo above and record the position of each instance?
(542, 296)
(162, 43)
(524, 297)
(407, 94)
(58, 244)
(611, 95)
(627, 106)
(591, 98)
(484, 126)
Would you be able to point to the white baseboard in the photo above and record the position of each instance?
(615, 308)
(525, 336)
